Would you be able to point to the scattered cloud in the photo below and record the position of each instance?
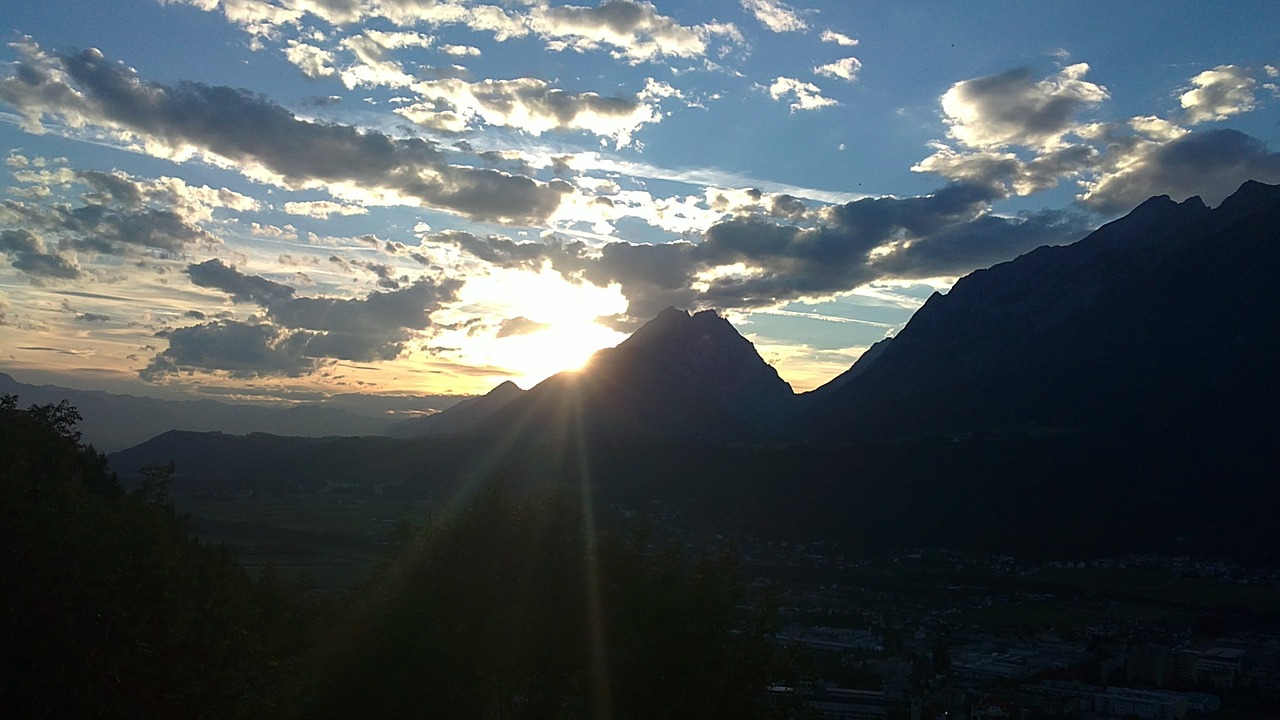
(297, 335)
(633, 31)
(844, 69)
(840, 39)
(323, 209)
(775, 15)
(1218, 94)
(264, 140)
(526, 104)
(803, 95)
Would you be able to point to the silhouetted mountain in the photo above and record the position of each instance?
(1166, 317)
(459, 418)
(112, 421)
(680, 375)
(1111, 396)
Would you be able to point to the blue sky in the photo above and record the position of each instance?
(289, 197)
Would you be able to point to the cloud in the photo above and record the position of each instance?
(755, 262)
(323, 209)
(844, 69)
(298, 334)
(1210, 164)
(369, 328)
(27, 253)
(240, 349)
(314, 62)
(528, 104)
(1011, 132)
(777, 16)
(264, 140)
(519, 326)
(241, 287)
(838, 38)
(804, 96)
(634, 30)
(1012, 108)
(1218, 93)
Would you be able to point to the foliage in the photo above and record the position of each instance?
(515, 608)
(109, 607)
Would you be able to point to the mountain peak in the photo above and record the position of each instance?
(679, 375)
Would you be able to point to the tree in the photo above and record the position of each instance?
(512, 609)
(109, 608)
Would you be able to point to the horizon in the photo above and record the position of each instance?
(292, 200)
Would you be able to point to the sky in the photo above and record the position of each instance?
(293, 198)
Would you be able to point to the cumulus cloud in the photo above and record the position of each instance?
(1013, 108)
(1012, 133)
(27, 253)
(634, 31)
(107, 229)
(241, 287)
(526, 104)
(1219, 93)
(264, 140)
(844, 69)
(777, 16)
(1210, 164)
(314, 62)
(803, 95)
(297, 334)
(240, 349)
(323, 209)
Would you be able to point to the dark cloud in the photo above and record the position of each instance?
(27, 253)
(243, 350)
(519, 326)
(1210, 164)
(241, 287)
(298, 334)
(112, 188)
(251, 131)
(93, 317)
(108, 229)
(377, 313)
(948, 233)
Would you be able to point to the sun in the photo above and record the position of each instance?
(541, 324)
(558, 348)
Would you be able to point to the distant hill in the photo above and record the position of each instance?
(1167, 317)
(459, 418)
(678, 376)
(113, 422)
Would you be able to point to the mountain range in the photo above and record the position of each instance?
(112, 421)
(1123, 384)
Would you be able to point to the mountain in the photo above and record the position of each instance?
(1112, 396)
(459, 418)
(679, 375)
(1167, 318)
(113, 421)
